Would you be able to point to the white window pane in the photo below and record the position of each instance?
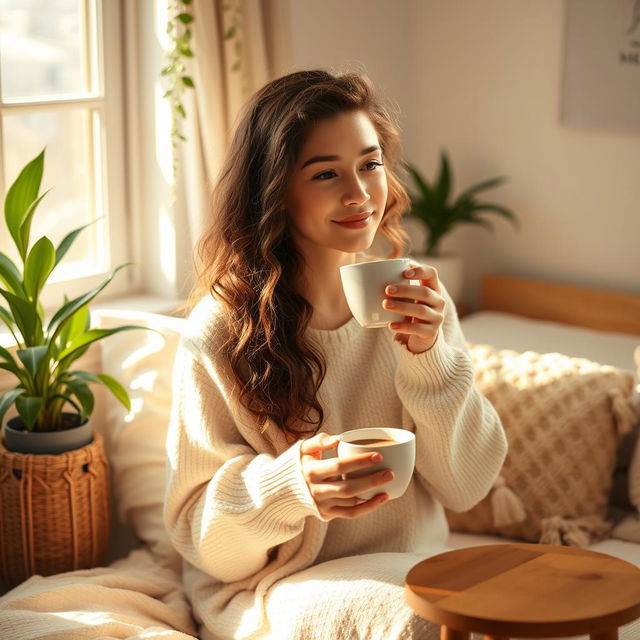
(68, 136)
(43, 48)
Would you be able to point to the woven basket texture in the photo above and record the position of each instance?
(54, 511)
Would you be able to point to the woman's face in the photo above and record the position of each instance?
(337, 192)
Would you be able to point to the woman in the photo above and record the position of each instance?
(274, 367)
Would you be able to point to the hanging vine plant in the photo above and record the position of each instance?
(179, 31)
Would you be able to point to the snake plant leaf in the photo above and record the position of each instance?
(27, 321)
(69, 239)
(32, 358)
(10, 275)
(7, 399)
(64, 313)
(28, 409)
(22, 193)
(85, 397)
(38, 266)
(91, 336)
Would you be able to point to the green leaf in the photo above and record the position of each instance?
(25, 227)
(81, 391)
(487, 184)
(116, 389)
(77, 324)
(63, 314)
(19, 198)
(498, 209)
(236, 66)
(6, 354)
(7, 399)
(5, 316)
(27, 320)
(181, 111)
(91, 336)
(69, 239)
(186, 1)
(186, 51)
(10, 275)
(187, 81)
(28, 409)
(32, 358)
(38, 266)
(230, 33)
(185, 18)
(444, 180)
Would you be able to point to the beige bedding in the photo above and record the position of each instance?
(133, 598)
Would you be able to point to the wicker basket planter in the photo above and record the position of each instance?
(54, 511)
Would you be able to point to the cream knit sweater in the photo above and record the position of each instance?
(237, 506)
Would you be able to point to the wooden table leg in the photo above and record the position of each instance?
(610, 634)
(495, 637)
(452, 634)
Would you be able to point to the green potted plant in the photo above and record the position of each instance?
(53, 469)
(439, 212)
(45, 382)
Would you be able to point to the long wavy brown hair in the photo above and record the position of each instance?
(246, 257)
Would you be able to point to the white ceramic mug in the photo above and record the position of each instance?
(400, 457)
(364, 284)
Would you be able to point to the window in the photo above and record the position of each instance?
(61, 87)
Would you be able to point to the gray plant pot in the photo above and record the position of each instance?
(45, 442)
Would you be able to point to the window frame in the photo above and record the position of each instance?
(108, 101)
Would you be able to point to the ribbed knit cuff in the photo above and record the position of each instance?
(283, 486)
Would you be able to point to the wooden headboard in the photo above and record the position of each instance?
(569, 304)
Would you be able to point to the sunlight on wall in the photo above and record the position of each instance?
(167, 239)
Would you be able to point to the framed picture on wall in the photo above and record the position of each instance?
(601, 83)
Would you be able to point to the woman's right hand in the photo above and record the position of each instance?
(335, 497)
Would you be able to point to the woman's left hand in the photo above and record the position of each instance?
(423, 315)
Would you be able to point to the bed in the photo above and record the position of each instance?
(139, 595)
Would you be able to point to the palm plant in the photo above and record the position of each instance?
(46, 350)
(434, 206)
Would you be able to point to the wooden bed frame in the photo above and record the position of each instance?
(569, 304)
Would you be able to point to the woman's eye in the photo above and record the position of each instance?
(326, 174)
(372, 165)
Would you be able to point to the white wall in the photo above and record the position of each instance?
(483, 80)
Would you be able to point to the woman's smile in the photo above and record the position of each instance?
(357, 221)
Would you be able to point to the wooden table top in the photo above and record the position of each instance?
(515, 589)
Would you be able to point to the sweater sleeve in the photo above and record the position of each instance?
(226, 506)
(460, 441)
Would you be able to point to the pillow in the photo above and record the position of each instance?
(634, 465)
(142, 361)
(563, 417)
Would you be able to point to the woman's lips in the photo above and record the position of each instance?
(355, 222)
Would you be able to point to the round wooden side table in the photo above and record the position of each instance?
(525, 591)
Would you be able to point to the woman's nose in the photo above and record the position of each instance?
(355, 193)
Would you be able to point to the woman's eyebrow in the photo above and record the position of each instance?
(364, 152)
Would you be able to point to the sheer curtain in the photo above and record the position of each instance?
(225, 74)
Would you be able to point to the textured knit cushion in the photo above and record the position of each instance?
(558, 413)
(142, 361)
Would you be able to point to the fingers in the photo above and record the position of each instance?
(336, 467)
(319, 443)
(426, 274)
(399, 293)
(349, 488)
(358, 510)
